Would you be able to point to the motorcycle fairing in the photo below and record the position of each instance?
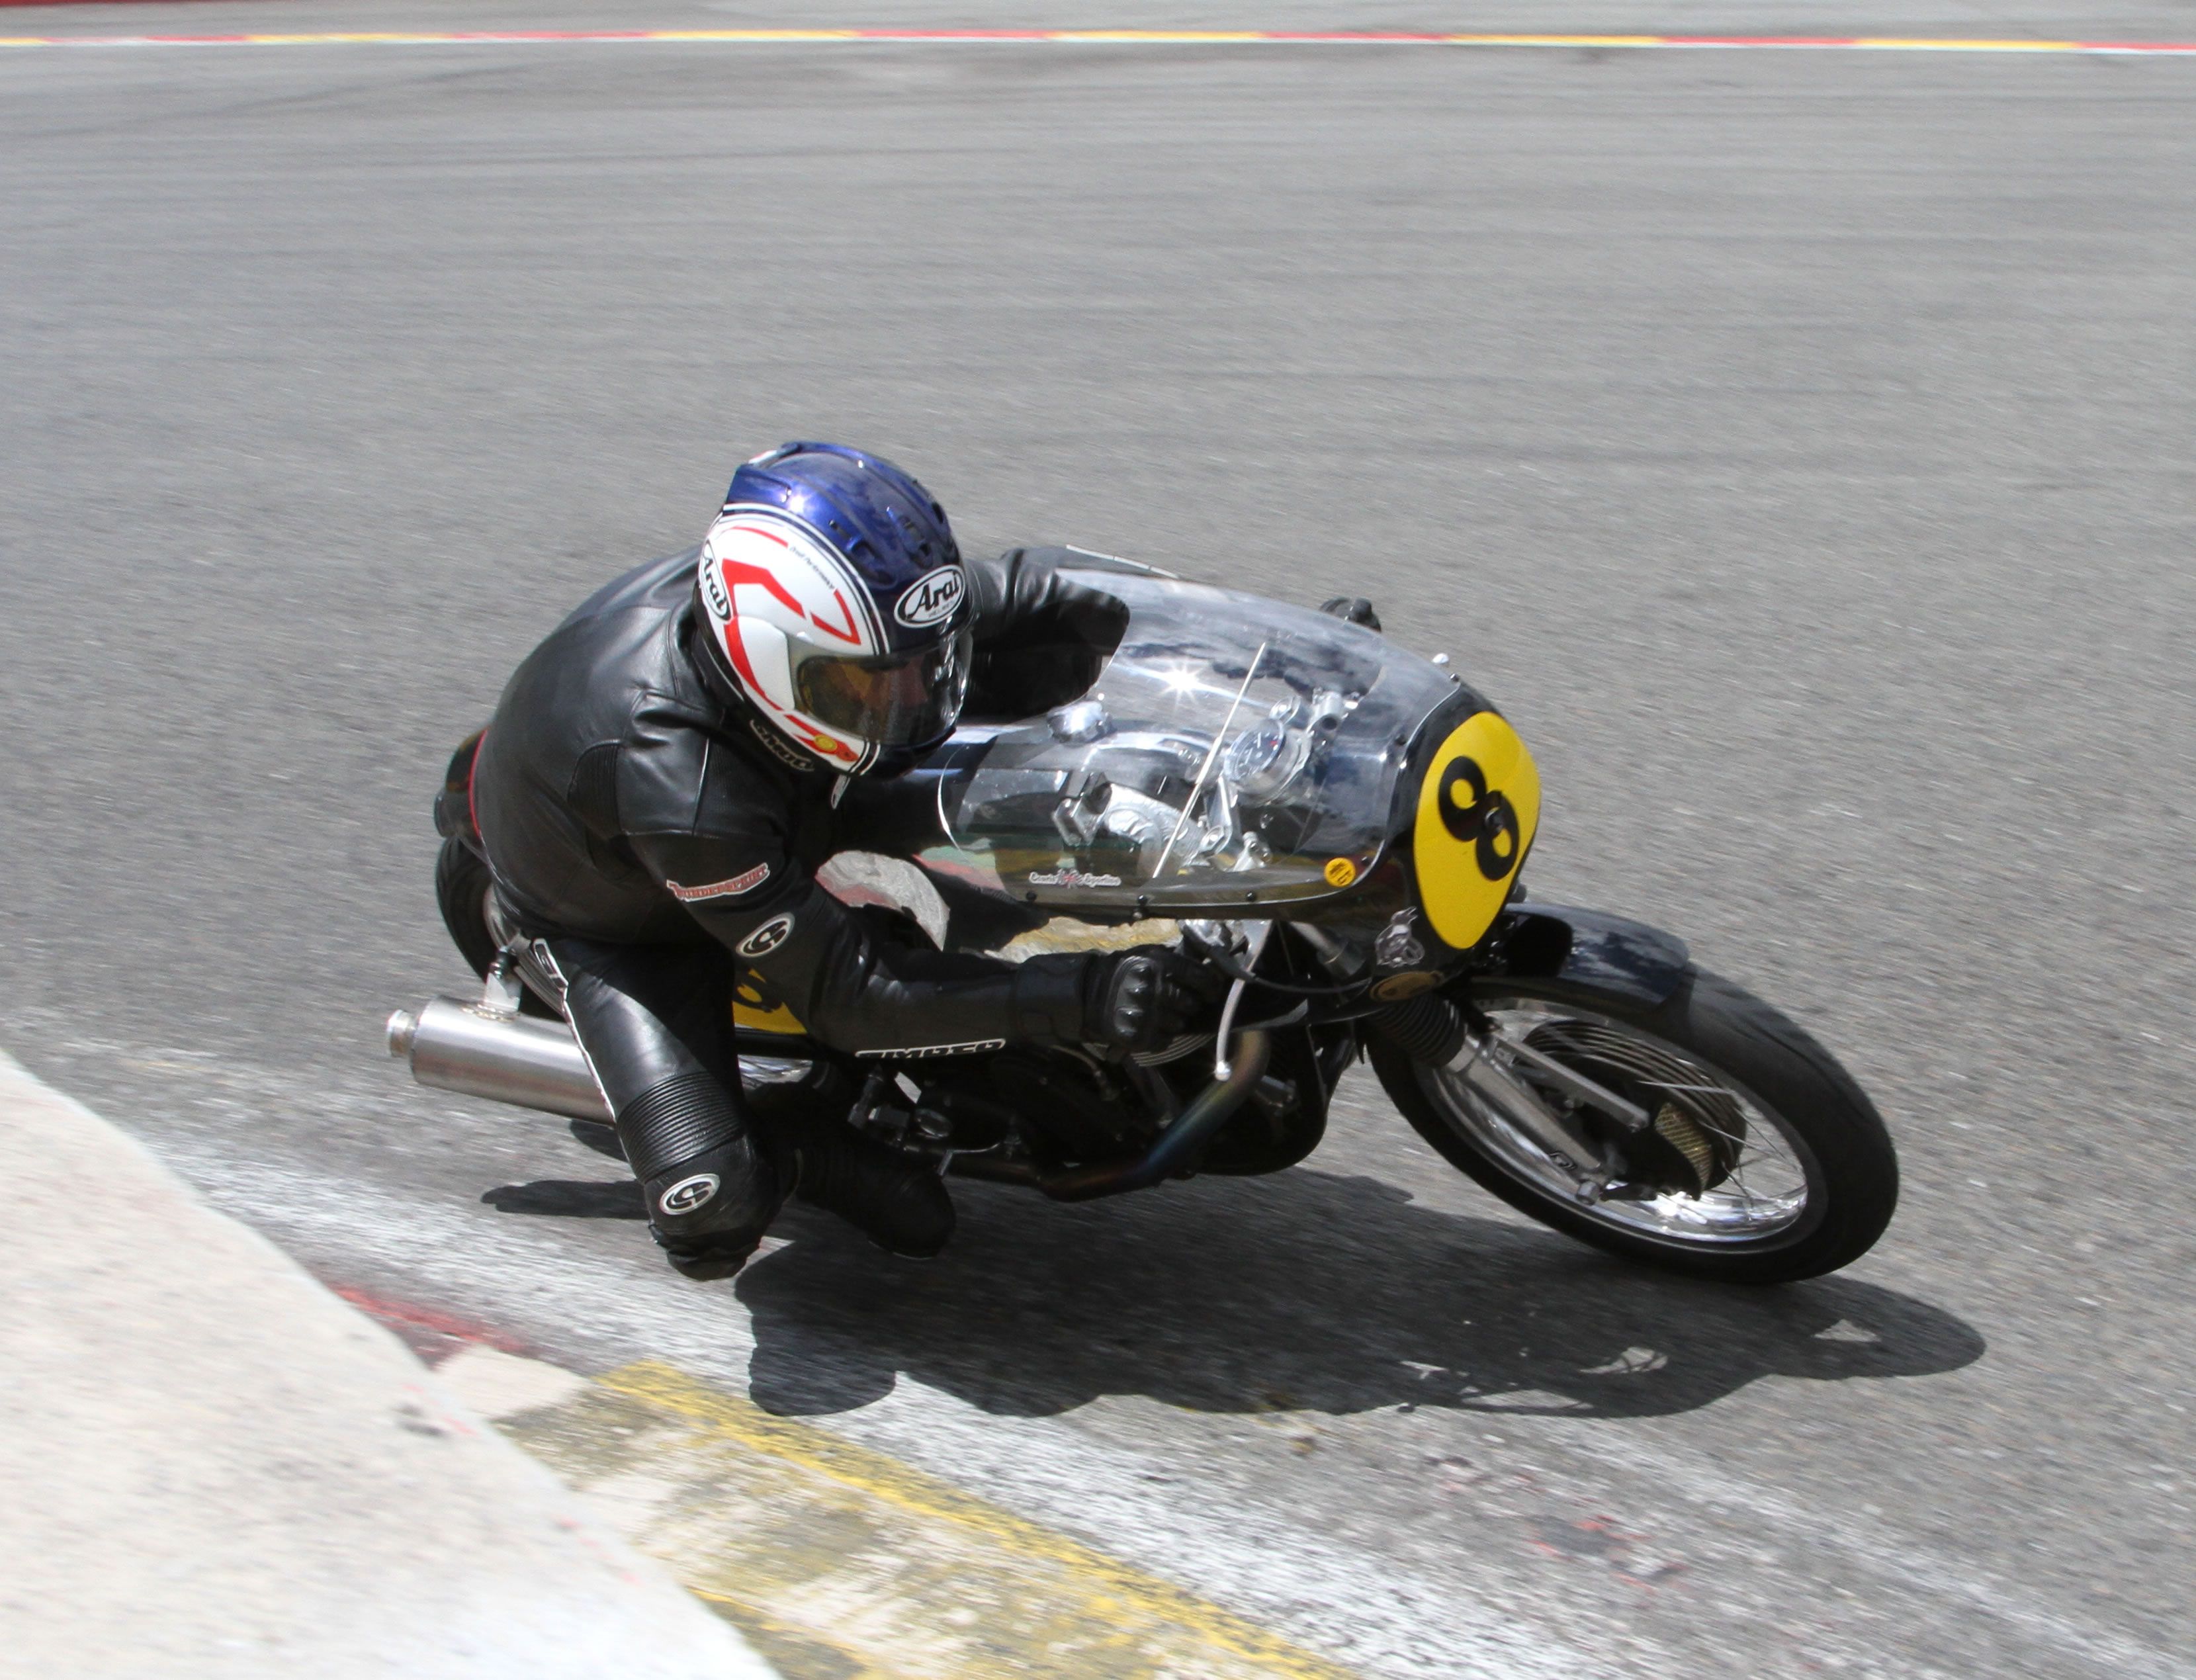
(1235, 751)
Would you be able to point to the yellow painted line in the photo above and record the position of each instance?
(1110, 1591)
(839, 1562)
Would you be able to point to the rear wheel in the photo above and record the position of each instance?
(462, 886)
(1763, 1161)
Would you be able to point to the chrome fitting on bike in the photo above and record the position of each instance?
(1566, 1143)
(1626, 1113)
(1254, 935)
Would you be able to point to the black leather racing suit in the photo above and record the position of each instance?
(655, 841)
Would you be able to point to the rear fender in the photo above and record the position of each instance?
(1586, 948)
(454, 802)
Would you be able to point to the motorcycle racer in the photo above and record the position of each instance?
(654, 790)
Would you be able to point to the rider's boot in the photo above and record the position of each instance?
(898, 1201)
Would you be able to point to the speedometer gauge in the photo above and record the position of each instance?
(1255, 751)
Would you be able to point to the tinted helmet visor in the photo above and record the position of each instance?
(899, 699)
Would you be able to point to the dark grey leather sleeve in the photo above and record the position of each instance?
(853, 989)
(858, 991)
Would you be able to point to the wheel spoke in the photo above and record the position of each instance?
(1738, 1178)
(1706, 1124)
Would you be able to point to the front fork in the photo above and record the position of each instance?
(1487, 1062)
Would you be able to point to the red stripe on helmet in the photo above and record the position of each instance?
(850, 633)
(737, 572)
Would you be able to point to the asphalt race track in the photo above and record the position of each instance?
(1796, 444)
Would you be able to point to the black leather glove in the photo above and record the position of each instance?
(1141, 998)
(1041, 639)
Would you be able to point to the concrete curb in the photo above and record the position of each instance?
(212, 1466)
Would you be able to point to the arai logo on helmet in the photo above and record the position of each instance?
(720, 603)
(932, 597)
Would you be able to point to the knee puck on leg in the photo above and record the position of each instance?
(710, 1189)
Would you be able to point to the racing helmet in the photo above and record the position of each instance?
(830, 599)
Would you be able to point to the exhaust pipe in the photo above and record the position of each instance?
(479, 1052)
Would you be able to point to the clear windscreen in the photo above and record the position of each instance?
(1235, 749)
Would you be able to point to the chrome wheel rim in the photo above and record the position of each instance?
(1767, 1191)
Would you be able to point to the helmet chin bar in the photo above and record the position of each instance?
(724, 688)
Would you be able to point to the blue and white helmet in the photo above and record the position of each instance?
(832, 598)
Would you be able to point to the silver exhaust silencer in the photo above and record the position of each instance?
(480, 1052)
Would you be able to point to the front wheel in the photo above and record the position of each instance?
(1763, 1163)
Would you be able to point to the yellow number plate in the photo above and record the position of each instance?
(1477, 809)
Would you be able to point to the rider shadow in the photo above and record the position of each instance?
(1305, 1291)
(570, 1198)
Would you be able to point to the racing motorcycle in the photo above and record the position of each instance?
(1337, 826)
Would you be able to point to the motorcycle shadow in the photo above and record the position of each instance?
(1308, 1292)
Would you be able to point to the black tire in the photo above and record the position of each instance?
(1830, 1125)
(462, 884)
